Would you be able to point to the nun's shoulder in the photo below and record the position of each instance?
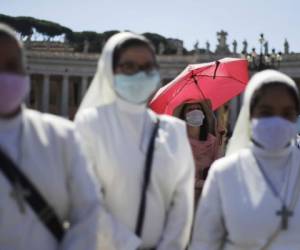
(176, 132)
(51, 124)
(228, 163)
(86, 115)
(172, 122)
(90, 115)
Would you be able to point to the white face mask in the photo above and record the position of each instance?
(137, 88)
(195, 118)
(273, 133)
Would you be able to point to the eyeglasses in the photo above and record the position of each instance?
(131, 68)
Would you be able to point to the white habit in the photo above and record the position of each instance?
(47, 151)
(116, 137)
(237, 205)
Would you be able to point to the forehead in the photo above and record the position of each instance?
(9, 50)
(276, 96)
(139, 54)
(194, 105)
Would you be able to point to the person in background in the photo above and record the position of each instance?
(125, 140)
(205, 141)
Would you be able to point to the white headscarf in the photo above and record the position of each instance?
(101, 90)
(242, 131)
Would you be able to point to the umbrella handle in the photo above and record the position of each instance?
(217, 66)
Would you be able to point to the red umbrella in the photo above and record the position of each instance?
(217, 81)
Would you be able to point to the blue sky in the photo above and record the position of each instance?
(189, 20)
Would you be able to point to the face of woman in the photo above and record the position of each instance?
(134, 60)
(136, 76)
(277, 101)
(191, 107)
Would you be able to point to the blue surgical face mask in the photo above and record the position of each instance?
(273, 133)
(137, 88)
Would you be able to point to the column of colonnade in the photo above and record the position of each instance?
(64, 93)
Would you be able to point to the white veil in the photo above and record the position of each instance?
(101, 91)
(242, 131)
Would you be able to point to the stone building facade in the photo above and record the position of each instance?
(60, 76)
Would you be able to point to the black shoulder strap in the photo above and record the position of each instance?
(147, 174)
(34, 199)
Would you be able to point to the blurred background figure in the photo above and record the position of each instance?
(205, 139)
(45, 180)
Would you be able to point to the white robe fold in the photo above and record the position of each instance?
(238, 208)
(116, 139)
(53, 161)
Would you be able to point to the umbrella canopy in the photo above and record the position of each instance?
(218, 81)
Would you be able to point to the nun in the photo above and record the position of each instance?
(50, 198)
(250, 199)
(143, 161)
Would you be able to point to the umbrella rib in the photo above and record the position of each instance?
(229, 77)
(197, 84)
(216, 68)
(177, 92)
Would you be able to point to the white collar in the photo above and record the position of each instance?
(12, 123)
(271, 154)
(130, 107)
